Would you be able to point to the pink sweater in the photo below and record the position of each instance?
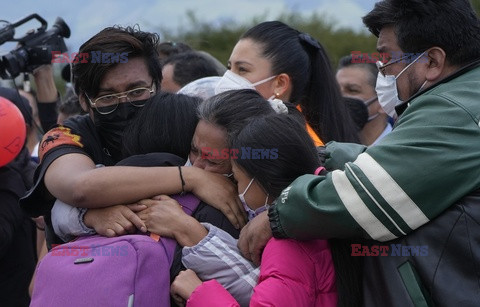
(292, 273)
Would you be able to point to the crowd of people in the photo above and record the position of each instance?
(274, 180)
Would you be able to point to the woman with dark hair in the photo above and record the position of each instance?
(170, 123)
(113, 93)
(219, 117)
(292, 273)
(222, 116)
(281, 62)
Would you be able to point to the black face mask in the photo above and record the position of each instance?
(111, 126)
(358, 111)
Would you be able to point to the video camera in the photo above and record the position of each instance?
(34, 49)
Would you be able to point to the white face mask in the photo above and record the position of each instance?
(387, 90)
(232, 81)
(252, 213)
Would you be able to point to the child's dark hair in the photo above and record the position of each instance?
(296, 156)
(166, 123)
(287, 149)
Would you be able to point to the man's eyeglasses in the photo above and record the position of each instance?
(108, 103)
(381, 67)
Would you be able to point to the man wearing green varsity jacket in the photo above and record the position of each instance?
(415, 195)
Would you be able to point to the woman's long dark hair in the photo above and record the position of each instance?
(295, 156)
(314, 86)
(231, 110)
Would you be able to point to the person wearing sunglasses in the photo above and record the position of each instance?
(417, 192)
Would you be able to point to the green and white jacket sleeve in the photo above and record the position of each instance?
(427, 163)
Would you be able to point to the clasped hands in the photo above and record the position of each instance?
(156, 215)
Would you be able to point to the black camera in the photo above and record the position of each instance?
(34, 49)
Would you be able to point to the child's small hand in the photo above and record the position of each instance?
(183, 286)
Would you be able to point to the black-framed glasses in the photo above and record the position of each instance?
(106, 104)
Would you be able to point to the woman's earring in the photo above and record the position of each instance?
(277, 94)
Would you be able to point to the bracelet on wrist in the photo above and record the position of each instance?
(182, 180)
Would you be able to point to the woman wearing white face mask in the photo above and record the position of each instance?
(281, 62)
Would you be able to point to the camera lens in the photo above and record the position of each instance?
(15, 61)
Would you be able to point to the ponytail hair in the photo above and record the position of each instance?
(314, 86)
(323, 105)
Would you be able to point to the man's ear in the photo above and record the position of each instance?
(436, 59)
(83, 102)
(282, 87)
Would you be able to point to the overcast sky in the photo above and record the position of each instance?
(87, 17)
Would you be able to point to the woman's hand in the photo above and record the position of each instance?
(115, 220)
(218, 191)
(254, 236)
(183, 286)
(164, 216)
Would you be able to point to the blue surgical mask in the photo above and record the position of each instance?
(252, 213)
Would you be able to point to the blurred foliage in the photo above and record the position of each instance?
(476, 6)
(219, 40)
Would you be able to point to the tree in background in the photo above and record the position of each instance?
(219, 40)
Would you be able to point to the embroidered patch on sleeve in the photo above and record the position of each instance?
(56, 137)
